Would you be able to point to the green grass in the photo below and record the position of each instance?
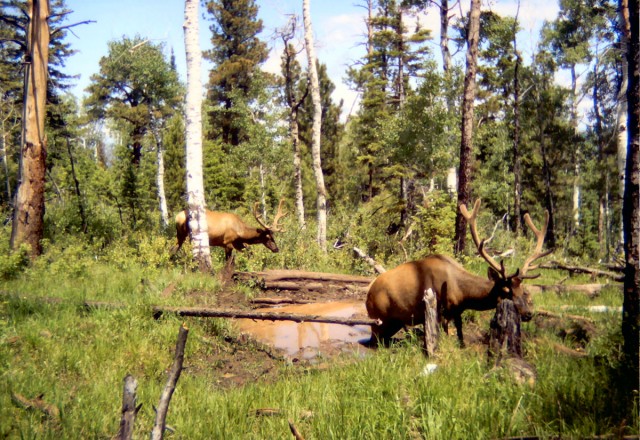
(78, 359)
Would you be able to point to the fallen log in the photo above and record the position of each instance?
(591, 290)
(278, 301)
(268, 316)
(578, 269)
(302, 276)
(38, 403)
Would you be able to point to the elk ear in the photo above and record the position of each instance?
(493, 274)
(515, 282)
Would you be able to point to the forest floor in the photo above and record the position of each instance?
(266, 351)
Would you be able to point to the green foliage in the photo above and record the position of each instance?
(12, 263)
(139, 249)
(237, 54)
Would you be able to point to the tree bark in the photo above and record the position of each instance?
(321, 200)
(505, 339)
(622, 106)
(28, 217)
(631, 209)
(83, 217)
(466, 144)
(294, 130)
(162, 198)
(430, 323)
(193, 126)
(517, 189)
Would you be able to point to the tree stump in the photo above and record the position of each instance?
(505, 344)
(430, 323)
(504, 334)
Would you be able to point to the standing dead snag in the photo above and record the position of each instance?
(129, 408)
(504, 335)
(430, 322)
(163, 405)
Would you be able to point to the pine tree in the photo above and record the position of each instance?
(237, 55)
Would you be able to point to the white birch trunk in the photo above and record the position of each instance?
(162, 199)
(622, 114)
(193, 134)
(317, 123)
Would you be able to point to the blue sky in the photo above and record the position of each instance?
(338, 27)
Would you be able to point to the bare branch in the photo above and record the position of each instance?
(61, 28)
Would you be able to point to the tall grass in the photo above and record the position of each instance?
(77, 359)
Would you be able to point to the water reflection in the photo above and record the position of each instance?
(307, 339)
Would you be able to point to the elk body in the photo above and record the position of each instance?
(395, 298)
(229, 231)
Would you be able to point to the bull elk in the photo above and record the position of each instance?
(395, 298)
(229, 231)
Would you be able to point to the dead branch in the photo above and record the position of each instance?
(295, 432)
(579, 269)
(38, 403)
(176, 369)
(61, 28)
(268, 316)
(129, 408)
(376, 266)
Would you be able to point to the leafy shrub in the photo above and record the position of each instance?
(139, 248)
(70, 257)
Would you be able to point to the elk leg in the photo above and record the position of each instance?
(229, 265)
(458, 321)
(381, 334)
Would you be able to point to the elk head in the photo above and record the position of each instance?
(266, 232)
(509, 286)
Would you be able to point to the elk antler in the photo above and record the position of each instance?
(258, 216)
(471, 219)
(537, 253)
(274, 227)
(280, 214)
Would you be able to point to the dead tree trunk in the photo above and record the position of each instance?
(504, 335)
(430, 323)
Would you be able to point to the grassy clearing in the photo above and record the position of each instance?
(77, 359)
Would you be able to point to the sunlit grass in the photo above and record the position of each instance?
(78, 358)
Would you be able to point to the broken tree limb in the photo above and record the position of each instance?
(176, 369)
(269, 316)
(129, 408)
(579, 269)
(38, 403)
(373, 263)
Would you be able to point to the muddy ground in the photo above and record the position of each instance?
(264, 351)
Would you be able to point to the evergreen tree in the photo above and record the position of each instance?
(237, 55)
(138, 90)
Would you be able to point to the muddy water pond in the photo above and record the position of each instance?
(309, 339)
